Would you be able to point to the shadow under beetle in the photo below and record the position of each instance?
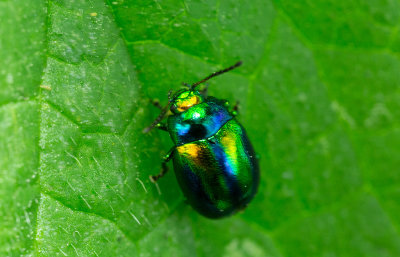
(214, 161)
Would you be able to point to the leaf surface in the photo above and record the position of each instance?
(319, 94)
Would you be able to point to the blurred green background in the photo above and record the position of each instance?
(320, 97)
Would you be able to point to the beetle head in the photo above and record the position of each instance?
(184, 99)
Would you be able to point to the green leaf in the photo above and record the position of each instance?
(320, 99)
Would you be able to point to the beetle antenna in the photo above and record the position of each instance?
(193, 86)
(164, 111)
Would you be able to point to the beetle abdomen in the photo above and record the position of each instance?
(218, 175)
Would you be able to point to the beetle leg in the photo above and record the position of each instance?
(164, 169)
(161, 116)
(162, 126)
(156, 103)
(235, 109)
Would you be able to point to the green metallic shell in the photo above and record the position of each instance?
(219, 175)
(198, 122)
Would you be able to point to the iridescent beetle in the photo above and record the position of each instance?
(214, 161)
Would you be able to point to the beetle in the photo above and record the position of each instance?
(214, 161)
